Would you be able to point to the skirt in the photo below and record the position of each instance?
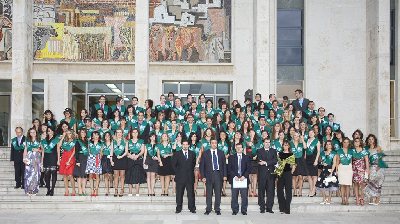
(345, 174)
(50, 159)
(135, 173)
(166, 169)
(119, 164)
(375, 182)
(152, 165)
(93, 165)
(359, 171)
(311, 170)
(300, 167)
(254, 166)
(80, 171)
(64, 168)
(327, 182)
(32, 173)
(106, 165)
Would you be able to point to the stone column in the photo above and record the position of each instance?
(142, 50)
(265, 48)
(378, 70)
(396, 105)
(22, 59)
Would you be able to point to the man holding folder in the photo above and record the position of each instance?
(239, 168)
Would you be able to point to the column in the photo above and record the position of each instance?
(22, 59)
(142, 50)
(378, 70)
(397, 64)
(265, 48)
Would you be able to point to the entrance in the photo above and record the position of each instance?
(5, 109)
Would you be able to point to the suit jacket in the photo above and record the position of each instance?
(233, 166)
(16, 156)
(184, 168)
(107, 111)
(270, 156)
(296, 104)
(206, 165)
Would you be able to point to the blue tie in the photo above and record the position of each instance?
(186, 156)
(215, 160)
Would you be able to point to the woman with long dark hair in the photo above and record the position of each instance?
(135, 174)
(312, 149)
(67, 161)
(165, 172)
(119, 161)
(93, 166)
(297, 148)
(49, 160)
(106, 158)
(81, 156)
(345, 171)
(285, 181)
(151, 162)
(327, 182)
(360, 170)
(32, 159)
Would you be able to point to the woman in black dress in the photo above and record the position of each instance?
(135, 174)
(106, 167)
(151, 161)
(49, 159)
(284, 185)
(81, 155)
(166, 171)
(119, 163)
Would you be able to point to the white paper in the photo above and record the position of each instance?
(239, 184)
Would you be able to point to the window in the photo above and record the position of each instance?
(37, 98)
(85, 94)
(211, 90)
(290, 37)
(392, 36)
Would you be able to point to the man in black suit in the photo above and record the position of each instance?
(239, 168)
(17, 152)
(300, 103)
(103, 106)
(183, 163)
(267, 159)
(213, 170)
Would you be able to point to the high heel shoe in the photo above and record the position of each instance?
(116, 193)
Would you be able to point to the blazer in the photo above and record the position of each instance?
(296, 104)
(271, 157)
(206, 165)
(233, 167)
(17, 156)
(184, 168)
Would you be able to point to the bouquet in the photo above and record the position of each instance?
(282, 163)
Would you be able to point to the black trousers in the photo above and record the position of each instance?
(19, 169)
(180, 190)
(50, 175)
(214, 185)
(284, 191)
(266, 185)
(234, 200)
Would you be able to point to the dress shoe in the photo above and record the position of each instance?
(193, 211)
(178, 211)
(22, 187)
(262, 211)
(270, 211)
(16, 187)
(234, 213)
(206, 213)
(218, 213)
(287, 212)
(244, 213)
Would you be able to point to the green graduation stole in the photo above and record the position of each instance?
(84, 148)
(134, 147)
(312, 147)
(17, 147)
(119, 149)
(67, 146)
(95, 149)
(32, 145)
(48, 147)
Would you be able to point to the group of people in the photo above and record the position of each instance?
(255, 147)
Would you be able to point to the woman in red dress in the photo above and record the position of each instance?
(67, 161)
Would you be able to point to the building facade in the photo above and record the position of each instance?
(343, 54)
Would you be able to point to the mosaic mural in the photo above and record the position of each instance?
(197, 31)
(84, 30)
(5, 29)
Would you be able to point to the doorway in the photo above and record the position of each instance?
(5, 109)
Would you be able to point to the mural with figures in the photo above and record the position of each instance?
(84, 30)
(197, 31)
(5, 29)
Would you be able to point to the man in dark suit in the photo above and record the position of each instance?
(183, 163)
(300, 103)
(101, 105)
(267, 159)
(213, 170)
(239, 168)
(17, 152)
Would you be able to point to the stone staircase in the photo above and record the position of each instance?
(14, 199)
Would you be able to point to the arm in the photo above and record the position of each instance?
(225, 172)
(248, 168)
(12, 153)
(144, 154)
(230, 167)
(174, 163)
(318, 154)
(273, 160)
(202, 167)
(334, 164)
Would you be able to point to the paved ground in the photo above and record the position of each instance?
(186, 217)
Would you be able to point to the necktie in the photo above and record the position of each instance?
(186, 155)
(102, 106)
(215, 160)
(240, 165)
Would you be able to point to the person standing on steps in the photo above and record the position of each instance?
(213, 170)
(17, 156)
(183, 163)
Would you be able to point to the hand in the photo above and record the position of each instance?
(161, 164)
(330, 170)
(68, 163)
(241, 178)
(58, 162)
(155, 158)
(78, 164)
(262, 163)
(119, 157)
(204, 180)
(315, 163)
(112, 163)
(236, 178)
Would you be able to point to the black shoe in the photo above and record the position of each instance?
(270, 211)
(178, 211)
(287, 212)
(234, 213)
(193, 211)
(16, 187)
(48, 193)
(262, 211)
(52, 192)
(22, 187)
(218, 213)
(244, 213)
(206, 213)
